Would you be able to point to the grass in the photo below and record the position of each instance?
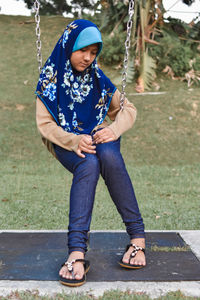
(111, 295)
(156, 248)
(161, 151)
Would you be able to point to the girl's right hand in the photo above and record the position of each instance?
(86, 145)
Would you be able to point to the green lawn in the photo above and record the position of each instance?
(162, 151)
(111, 295)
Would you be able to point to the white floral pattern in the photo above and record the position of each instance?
(62, 120)
(74, 121)
(102, 106)
(66, 33)
(50, 91)
(48, 71)
(78, 87)
(48, 80)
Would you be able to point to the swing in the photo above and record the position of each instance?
(127, 45)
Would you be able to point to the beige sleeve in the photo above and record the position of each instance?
(52, 132)
(122, 119)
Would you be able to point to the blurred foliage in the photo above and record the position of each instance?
(172, 52)
(156, 43)
(113, 52)
(58, 7)
(179, 47)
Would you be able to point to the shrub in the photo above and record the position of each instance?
(173, 52)
(113, 48)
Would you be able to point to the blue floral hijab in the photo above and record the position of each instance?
(78, 101)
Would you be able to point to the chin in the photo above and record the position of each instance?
(80, 69)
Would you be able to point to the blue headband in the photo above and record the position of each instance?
(88, 36)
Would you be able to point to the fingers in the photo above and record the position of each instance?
(80, 154)
(86, 145)
(104, 136)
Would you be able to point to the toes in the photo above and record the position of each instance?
(68, 275)
(133, 262)
(62, 271)
(79, 272)
(139, 259)
(78, 276)
(125, 259)
(137, 262)
(65, 273)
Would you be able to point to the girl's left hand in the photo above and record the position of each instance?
(104, 135)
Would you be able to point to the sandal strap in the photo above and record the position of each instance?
(136, 249)
(69, 264)
(80, 260)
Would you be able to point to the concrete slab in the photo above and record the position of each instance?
(153, 289)
(192, 238)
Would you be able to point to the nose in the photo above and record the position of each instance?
(87, 56)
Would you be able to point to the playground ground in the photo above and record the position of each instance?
(150, 289)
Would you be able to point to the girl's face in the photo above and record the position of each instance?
(83, 58)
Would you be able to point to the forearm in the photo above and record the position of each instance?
(124, 119)
(52, 132)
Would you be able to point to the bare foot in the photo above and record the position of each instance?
(77, 266)
(139, 258)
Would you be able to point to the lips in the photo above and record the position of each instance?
(84, 66)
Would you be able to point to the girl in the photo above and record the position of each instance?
(73, 99)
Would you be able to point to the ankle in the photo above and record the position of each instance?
(76, 255)
(138, 242)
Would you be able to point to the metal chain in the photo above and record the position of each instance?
(127, 46)
(37, 31)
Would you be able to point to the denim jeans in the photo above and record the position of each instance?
(109, 163)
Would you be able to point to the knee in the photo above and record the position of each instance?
(88, 167)
(111, 158)
(91, 163)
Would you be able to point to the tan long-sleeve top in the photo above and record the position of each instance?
(122, 120)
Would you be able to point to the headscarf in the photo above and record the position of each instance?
(78, 101)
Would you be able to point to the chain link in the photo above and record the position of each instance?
(37, 31)
(127, 46)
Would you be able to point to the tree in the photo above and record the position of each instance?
(53, 7)
(58, 7)
(147, 33)
(79, 6)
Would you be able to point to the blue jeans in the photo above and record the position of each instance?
(109, 163)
